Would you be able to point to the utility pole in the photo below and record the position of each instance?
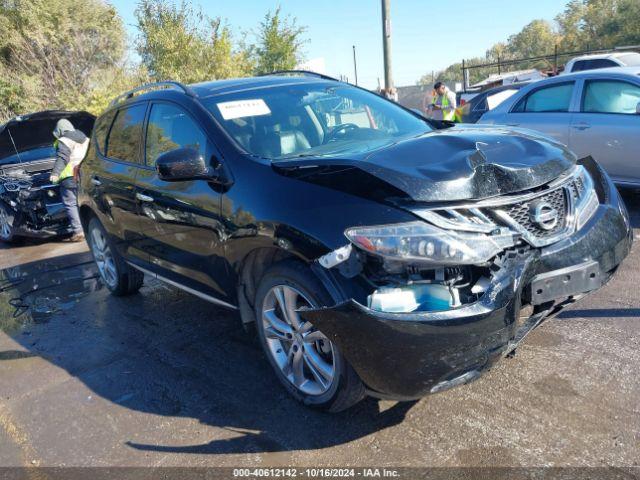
(355, 65)
(386, 43)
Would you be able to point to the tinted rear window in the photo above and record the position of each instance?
(125, 136)
(101, 129)
(593, 64)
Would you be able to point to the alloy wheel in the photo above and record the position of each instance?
(104, 258)
(304, 355)
(5, 224)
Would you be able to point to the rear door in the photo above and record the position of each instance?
(180, 221)
(112, 177)
(607, 127)
(546, 109)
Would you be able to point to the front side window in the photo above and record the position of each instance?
(123, 142)
(312, 119)
(555, 98)
(169, 128)
(610, 96)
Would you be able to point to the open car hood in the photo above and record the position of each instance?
(35, 130)
(460, 163)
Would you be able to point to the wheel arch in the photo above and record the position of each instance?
(254, 265)
(249, 272)
(86, 214)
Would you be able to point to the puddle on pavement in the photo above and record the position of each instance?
(32, 293)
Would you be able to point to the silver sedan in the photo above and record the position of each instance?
(594, 113)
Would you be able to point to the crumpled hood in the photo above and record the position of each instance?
(461, 163)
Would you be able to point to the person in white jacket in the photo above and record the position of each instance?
(71, 147)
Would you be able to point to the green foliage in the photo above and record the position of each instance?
(583, 25)
(181, 43)
(55, 53)
(279, 43)
(71, 54)
(535, 39)
(599, 24)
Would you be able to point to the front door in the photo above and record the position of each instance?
(180, 221)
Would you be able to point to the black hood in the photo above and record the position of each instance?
(460, 163)
(36, 130)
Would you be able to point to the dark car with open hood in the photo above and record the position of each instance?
(374, 252)
(30, 205)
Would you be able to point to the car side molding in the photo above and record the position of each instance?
(190, 290)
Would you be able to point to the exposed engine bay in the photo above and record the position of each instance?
(32, 200)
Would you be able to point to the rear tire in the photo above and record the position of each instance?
(7, 234)
(305, 361)
(119, 277)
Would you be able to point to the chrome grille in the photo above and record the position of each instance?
(521, 213)
(577, 187)
(571, 196)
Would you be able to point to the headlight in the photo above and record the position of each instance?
(587, 200)
(424, 243)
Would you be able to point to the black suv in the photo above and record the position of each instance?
(375, 252)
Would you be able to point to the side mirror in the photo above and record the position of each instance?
(638, 109)
(183, 164)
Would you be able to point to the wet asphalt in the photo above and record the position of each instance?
(163, 378)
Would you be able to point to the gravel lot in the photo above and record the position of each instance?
(165, 379)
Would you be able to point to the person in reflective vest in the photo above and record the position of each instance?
(71, 147)
(443, 103)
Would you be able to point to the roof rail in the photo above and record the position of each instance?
(300, 72)
(150, 86)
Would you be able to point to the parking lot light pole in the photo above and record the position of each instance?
(386, 43)
(355, 65)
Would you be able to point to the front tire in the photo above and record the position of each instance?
(119, 277)
(305, 361)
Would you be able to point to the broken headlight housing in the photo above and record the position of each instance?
(424, 243)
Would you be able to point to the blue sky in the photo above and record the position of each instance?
(427, 35)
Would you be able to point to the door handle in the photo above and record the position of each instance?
(96, 182)
(513, 124)
(144, 198)
(581, 126)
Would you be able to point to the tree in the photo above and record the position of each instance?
(178, 42)
(569, 23)
(55, 53)
(599, 24)
(583, 25)
(279, 43)
(535, 39)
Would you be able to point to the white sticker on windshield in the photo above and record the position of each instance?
(243, 108)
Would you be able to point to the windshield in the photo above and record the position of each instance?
(293, 121)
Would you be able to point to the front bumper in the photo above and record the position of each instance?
(408, 355)
(38, 214)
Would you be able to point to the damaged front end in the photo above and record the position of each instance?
(427, 305)
(33, 204)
